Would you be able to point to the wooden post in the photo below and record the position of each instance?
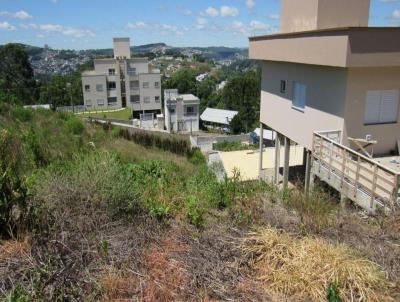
(375, 177)
(286, 164)
(357, 176)
(330, 160)
(395, 191)
(261, 151)
(308, 173)
(277, 158)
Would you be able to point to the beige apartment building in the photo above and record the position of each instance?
(121, 82)
(327, 74)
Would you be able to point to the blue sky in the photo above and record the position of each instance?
(81, 24)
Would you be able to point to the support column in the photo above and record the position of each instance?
(308, 173)
(260, 169)
(286, 164)
(277, 157)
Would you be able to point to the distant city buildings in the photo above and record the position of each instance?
(122, 81)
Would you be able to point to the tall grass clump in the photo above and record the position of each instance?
(313, 269)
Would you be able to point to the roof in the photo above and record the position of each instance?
(338, 47)
(189, 97)
(218, 116)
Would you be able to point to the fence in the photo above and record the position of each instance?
(357, 177)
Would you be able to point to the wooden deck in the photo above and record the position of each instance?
(357, 177)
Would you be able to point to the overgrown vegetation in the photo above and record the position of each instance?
(226, 146)
(94, 213)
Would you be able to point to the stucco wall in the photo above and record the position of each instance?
(360, 80)
(325, 99)
(93, 95)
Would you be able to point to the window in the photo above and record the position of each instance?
(99, 87)
(190, 111)
(134, 85)
(111, 71)
(381, 107)
(100, 103)
(112, 85)
(172, 110)
(283, 86)
(146, 99)
(131, 70)
(145, 84)
(156, 84)
(87, 88)
(299, 96)
(88, 103)
(135, 98)
(112, 101)
(157, 99)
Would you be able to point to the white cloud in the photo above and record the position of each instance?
(22, 15)
(396, 14)
(184, 11)
(6, 26)
(137, 25)
(229, 11)
(67, 31)
(212, 12)
(250, 4)
(201, 23)
(258, 25)
(273, 16)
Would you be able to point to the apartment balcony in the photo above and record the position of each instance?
(112, 93)
(112, 77)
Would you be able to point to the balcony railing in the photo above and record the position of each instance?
(361, 179)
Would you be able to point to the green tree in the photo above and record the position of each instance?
(16, 75)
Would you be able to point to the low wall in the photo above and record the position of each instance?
(205, 143)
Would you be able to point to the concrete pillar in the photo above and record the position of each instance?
(308, 173)
(286, 163)
(277, 158)
(260, 169)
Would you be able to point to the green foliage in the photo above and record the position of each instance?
(17, 294)
(16, 75)
(22, 114)
(197, 158)
(12, 189)
(194, 211)
(75, 126)
(226, 146)
(332, 293)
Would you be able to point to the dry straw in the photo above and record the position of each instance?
(304, 268)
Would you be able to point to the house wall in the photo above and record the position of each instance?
(325, 99)
(93, 95)
(361, 80)
(303, 15)
(151, 92)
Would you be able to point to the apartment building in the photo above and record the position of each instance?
(181, 111)
(331, 84)
(121, 82)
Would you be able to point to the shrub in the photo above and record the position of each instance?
(195, 211)
(197, 158)
(22, 114)
(75, 126)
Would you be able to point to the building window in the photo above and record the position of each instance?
(88, 103)
(112, 85)
(381, 107)
(146, 99)
(299, 96)
(157, 99)
(99, 87)
(135, 98)
(172, 110)
(100, 103)
(131, 70)
(134, 85)
(145, 84)
(283, 86)
(87, 88)
(111, 71)
(190, 111)
(156, 84)
(112, 101)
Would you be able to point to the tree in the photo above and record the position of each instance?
(236, 125)
(16, 74)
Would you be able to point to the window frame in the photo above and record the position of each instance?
(379, 114)
(303, 93)
(146, 99)
(87, 88)
(146, 86)
(97, 88)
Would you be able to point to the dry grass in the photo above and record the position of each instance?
(117, 286)
(10, 249)
(304, 268)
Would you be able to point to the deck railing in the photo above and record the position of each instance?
(358, 177)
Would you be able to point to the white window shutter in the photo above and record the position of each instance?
(389, 106)
(372, 107)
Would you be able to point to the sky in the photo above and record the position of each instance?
(84, 24)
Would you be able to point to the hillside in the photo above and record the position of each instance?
(89, 212)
